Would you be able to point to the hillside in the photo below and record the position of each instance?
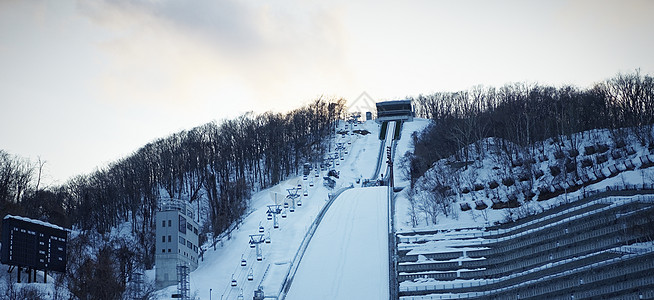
(537, 224)
(451, 192)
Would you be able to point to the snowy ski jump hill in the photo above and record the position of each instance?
(347, 256)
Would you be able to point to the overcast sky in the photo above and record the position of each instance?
(83, 83)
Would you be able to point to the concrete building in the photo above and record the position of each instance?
(177, 241)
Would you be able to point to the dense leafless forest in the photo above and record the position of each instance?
(525, 115)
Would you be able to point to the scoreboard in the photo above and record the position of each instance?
(33, 243)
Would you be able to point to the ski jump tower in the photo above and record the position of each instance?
(177, 241)
(398, 110)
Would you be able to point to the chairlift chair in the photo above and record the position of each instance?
(233, 281)
(269, 216)
(259, 257)
(299, 202)
(250, 275)
(243, 261)
(261, 229)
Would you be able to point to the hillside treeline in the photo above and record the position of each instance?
(219, 162)
(528, 114)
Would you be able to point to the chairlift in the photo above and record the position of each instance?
(299, 202)
(311, 183)
(268, 239)
(261, 229)
(250, 275)
(259, 257)
(306, 193)
(276, 225)
(240, 296)
(284, 214)
(285, 204)
(233, 281)
(291, 209)
(243, 261)
(251, 244)
(269, 216)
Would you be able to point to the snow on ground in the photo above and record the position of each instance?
(496, 166)
(216, 270)
(404, 145)
(348, 255)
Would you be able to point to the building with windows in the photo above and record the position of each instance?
(398, 110)
(177, 241)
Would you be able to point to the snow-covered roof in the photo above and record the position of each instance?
(38, 222)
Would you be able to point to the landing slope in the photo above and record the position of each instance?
(348, 255)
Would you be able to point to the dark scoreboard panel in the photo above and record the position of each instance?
(32, 243)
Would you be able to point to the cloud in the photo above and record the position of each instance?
(249, 55)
